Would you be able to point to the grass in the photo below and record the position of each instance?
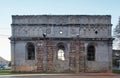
(9, 72)
(5, 72)
(116, 71)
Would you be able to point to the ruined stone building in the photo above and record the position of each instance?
(61, 43)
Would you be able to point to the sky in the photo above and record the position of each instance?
(52, 7)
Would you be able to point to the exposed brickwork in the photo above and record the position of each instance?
(72, 56)
(77, 56)
(50, 54)
(23, 68)
(40, 59)
(82, 57)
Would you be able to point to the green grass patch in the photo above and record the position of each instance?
(9, 72)
(5, 72)
(116, 71)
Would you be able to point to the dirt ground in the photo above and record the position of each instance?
(60, 77)
(94, 75)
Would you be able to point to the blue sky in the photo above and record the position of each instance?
(57, 7)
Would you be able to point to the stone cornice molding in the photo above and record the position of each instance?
(55, 38)
(61, 24)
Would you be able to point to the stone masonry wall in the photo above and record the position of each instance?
(66, 29)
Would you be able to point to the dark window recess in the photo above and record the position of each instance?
(91, 53)
(30, 51)
(96, 32)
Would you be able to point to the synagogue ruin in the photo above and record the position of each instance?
(61, 43)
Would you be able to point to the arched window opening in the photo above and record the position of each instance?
(61, 52)
(30, 51)
(91, 53)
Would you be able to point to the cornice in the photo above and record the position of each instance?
(61, 24)
(55, 38)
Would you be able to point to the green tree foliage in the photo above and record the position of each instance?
(117, 31)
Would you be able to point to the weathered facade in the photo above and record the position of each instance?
(61, 43)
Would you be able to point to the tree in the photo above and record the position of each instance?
(116, 35)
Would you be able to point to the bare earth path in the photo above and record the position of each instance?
(62, 76)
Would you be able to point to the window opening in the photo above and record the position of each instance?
(61, 53)
(91, 53)
(30, 51)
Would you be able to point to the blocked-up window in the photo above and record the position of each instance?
(90, 53)
(61, 53)
(30, 51)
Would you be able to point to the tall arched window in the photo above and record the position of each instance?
(61, 52)
(90, 53)
(30, 51)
